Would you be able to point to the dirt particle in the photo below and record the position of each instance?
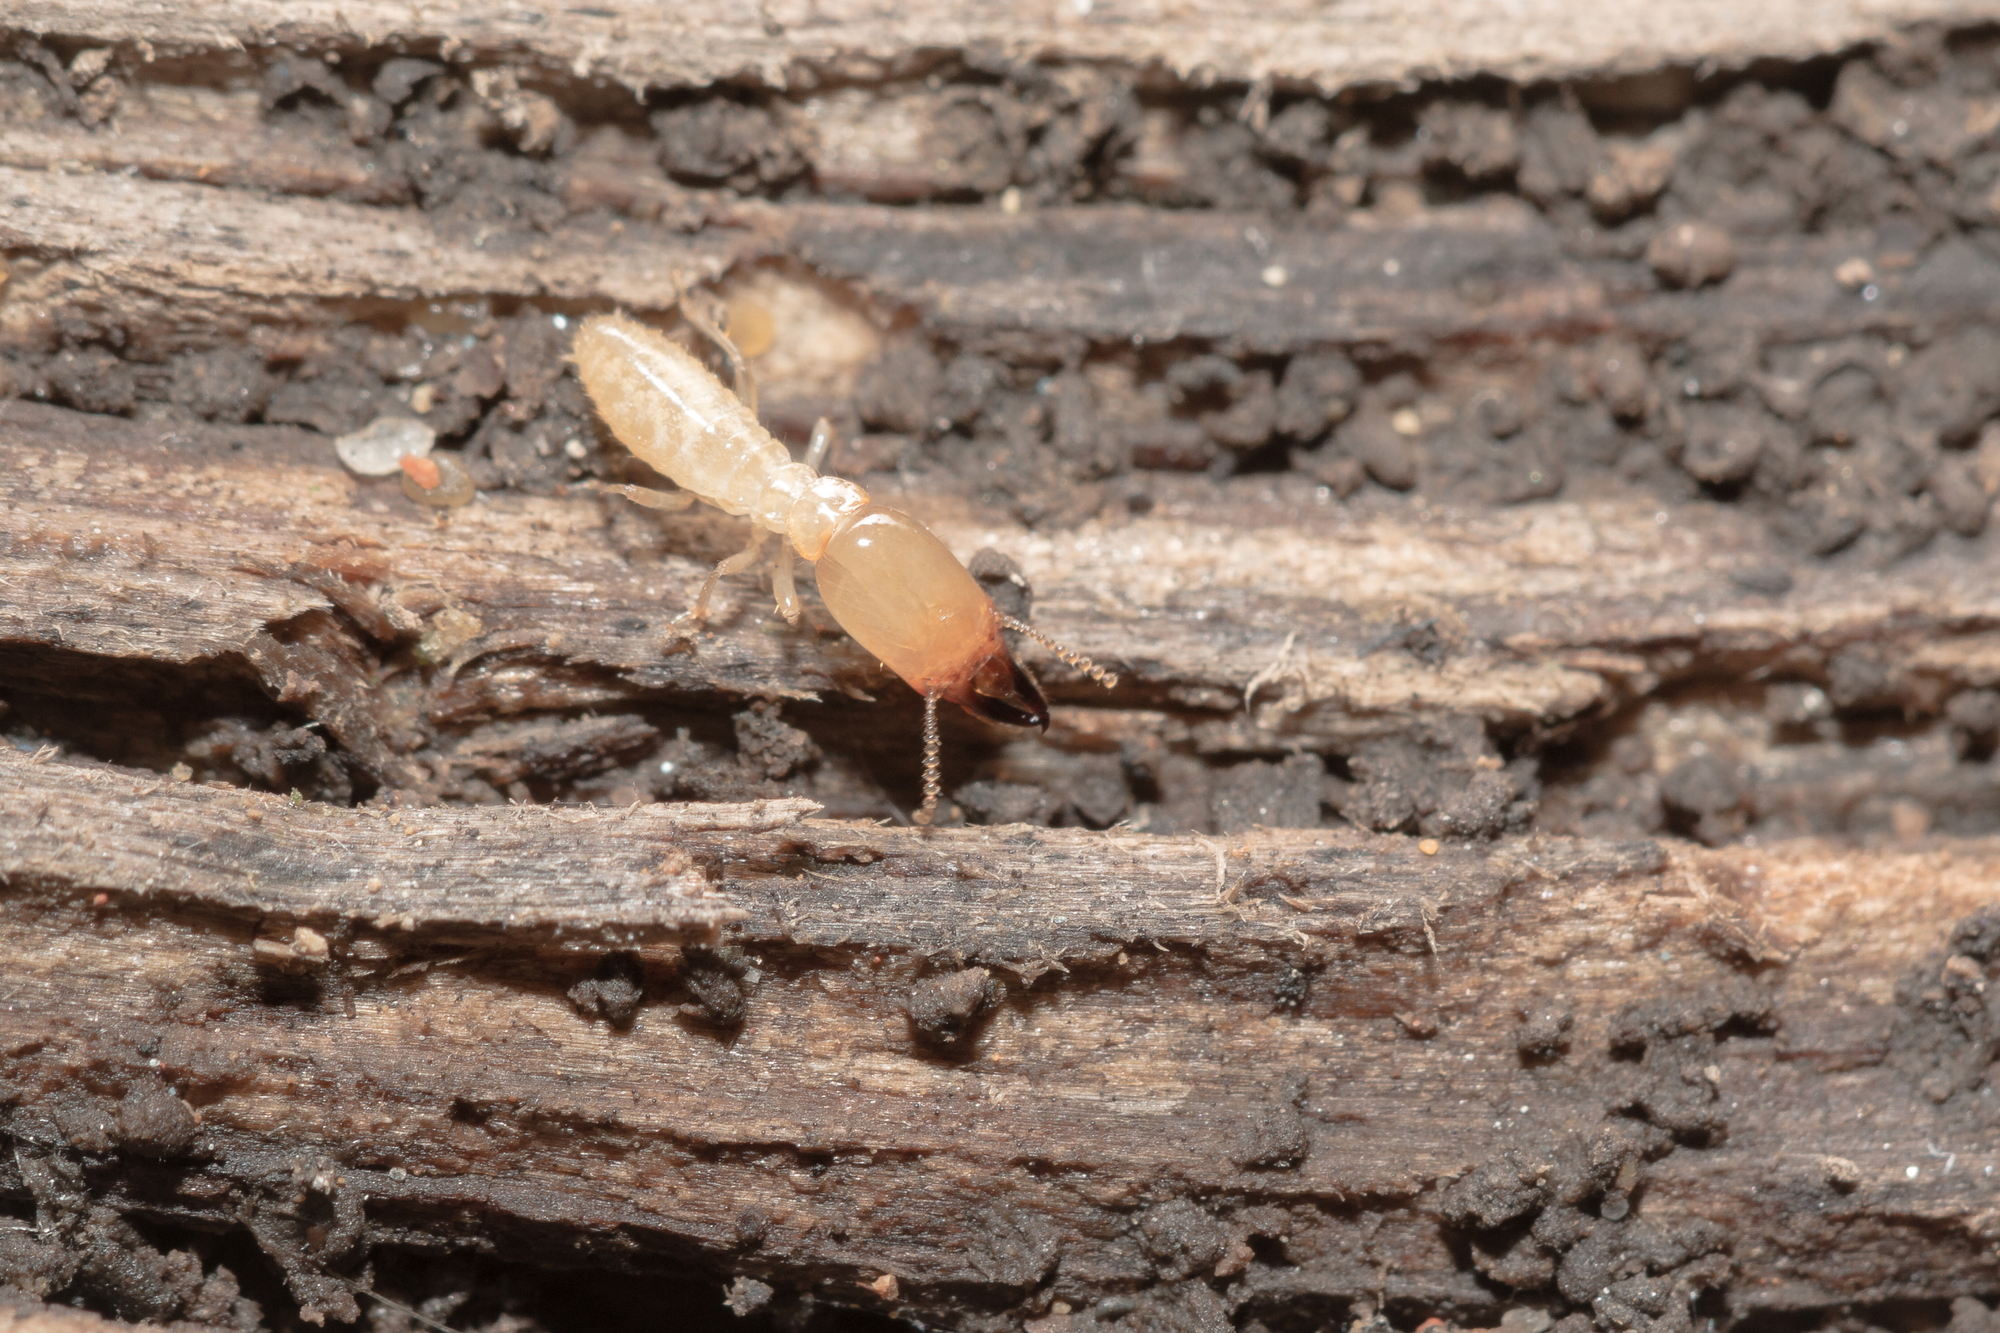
(1316, 391)
(1691, 254)
(1839, 1173)
(719, 142)
(746, 1295)
(91, 379)
(1618, 374)
(1963, 503)
(896, 392)
(533, 120)
(944, 1010)
(1630, 177)
(1675, 1041)
(228, 384)
(713, 976)
(613, 991)
(1293, 990)
(1180, 1238)
(1441, 782)
(1482, 143)
(1385, 453)
(1724, 441)
(1417, 1025)
(1543, 1036)
(768, 746)
(1284, 794)
(1710, 795)
(991, 802)
(1769, 580)
(399, 78)
(1275, 1138)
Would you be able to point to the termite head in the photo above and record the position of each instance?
(999, 689)
(905, 597)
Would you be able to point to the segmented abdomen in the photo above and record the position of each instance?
(679, 419)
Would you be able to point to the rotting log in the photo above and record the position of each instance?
(968, 1077)
(1547, 614)
(639, 44)
(993, 1065)
(164, 259)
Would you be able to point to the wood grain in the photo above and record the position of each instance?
(1547, 613)
(1327, 46)
(974, 1078)
(1144, 1048)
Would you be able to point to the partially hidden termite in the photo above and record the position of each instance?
(892, 585)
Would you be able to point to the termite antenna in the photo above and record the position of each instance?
(931, 784)
(1081, 663)
(712, 324)
(401, 1308)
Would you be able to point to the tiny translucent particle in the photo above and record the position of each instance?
(378, 448)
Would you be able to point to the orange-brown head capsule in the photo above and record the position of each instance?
(905, 597)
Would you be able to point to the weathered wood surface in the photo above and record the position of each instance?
(1274, 1024)
(1549, 612)
(1283, 1074)
(1331, 46)
(479, 877)
(165, 261)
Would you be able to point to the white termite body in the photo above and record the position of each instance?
(886, 579)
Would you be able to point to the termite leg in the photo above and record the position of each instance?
(735, 564)
(741, 379)
(1076, 660)
(781, 582)
(669, 500)
(823, 437)
(931, 785)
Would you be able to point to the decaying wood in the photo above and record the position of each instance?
(1550, 613)
(1274, 1023)
(164, 261)
(968, 1077)
(640, 44)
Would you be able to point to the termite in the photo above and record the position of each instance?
(892, 585)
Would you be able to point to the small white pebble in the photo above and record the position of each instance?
(575, 449)
(1406, 422)
(1274, 275)
(375, 449)
(1911, 1173)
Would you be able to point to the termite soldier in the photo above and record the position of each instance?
(894, 587)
